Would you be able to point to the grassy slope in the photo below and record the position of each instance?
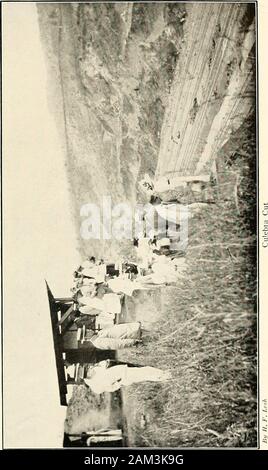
(207, 332)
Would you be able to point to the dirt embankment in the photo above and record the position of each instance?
(213, 90)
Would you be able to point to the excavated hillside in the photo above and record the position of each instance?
(213, 91)
(138, 88)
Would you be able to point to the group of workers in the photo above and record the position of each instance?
(100, 290)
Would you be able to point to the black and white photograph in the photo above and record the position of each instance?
(130, 226)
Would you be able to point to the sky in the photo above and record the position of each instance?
(39, 237)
